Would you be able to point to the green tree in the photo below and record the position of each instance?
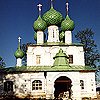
(24, 49)
(2, 63)
(24, 60)
(92, 56)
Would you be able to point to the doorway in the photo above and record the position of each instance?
(62, 87)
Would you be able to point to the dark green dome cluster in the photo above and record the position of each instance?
(19, 53)
(67, 24)
(52, 17)
(39, 24)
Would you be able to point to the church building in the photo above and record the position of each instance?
(55, 65)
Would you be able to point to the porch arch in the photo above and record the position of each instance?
(62, 87)
(62, 76)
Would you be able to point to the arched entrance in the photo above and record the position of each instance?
(62, 87)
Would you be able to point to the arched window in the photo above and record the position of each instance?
(8, 86)
(82, 84)
(36, 85)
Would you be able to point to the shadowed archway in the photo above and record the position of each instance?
(62, 87)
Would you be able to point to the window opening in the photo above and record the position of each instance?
(36, 85)
(38, 57)
(8, 86)
(53, 34)
(82, 84)
(70, 59)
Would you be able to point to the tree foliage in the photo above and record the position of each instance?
(92, 56)
(2, 63)
(24, 48)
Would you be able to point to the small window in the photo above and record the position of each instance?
(36, 85)
(82, 84)
(53, 34)
(38, 57)
(8, 86)
(70, 59)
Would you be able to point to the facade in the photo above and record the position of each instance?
(55, 66)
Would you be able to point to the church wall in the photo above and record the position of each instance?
(37, 84)
(47, 54)
(89, 84)
(22, 83)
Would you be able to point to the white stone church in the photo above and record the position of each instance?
(55, 65)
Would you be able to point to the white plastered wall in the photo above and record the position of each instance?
(53, 34)
(19, 62)
(47, 54)
(68, 37)
(89, 84)
(22, 83)
(40, 37)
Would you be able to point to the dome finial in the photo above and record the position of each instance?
(67, 7)
(19, 41)
(39, 5)
(51, 3)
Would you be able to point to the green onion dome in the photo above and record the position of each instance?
(67, 24)
(19, 53)
(35, 36)
(52, 17)
(39, 24)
